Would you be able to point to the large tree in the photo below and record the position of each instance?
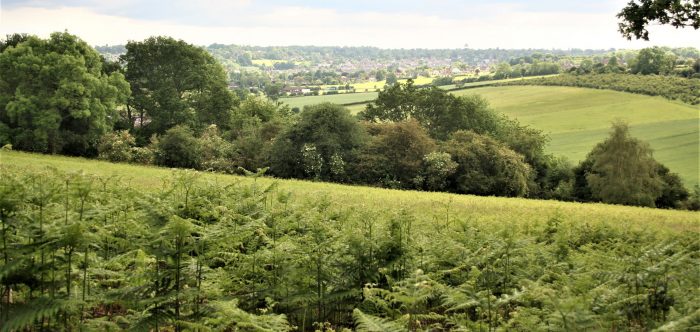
(654, 60)
(439, 112)
(55, 96)
(638, 14)
(175, 83)
(326, 136)
(623, 171)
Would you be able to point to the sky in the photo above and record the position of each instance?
(547, 24)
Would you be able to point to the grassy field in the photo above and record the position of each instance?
(353, 98)
(427, 207)
(341, 98)
(577, 118)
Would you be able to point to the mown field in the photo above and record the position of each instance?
(578, 118)
(341, 98)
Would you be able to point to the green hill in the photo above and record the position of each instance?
(578, 118)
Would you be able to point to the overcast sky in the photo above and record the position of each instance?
(381, 23)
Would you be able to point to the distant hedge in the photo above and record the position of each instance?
(686, 90)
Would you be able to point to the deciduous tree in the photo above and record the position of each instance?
(638, 14)
(175, 83)
(623, 170)
(54, 96)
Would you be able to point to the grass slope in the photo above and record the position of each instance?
(578, 118)
(341, 98)
(431, 208)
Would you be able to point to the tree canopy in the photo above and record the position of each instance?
(325, 134)
(653, 60)
(487, 166)
(175, 83)
(439, 112)
(54, 95)
(638, 14)
(623, 170)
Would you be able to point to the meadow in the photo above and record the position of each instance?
(578, 118)
(427, 206)
(98, 246)
(341, 98)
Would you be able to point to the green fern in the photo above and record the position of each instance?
(369, 323)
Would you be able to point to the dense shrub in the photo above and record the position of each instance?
(215, 151)
(439, 167)
(178, 148)
(331, 130)
(116, 146)
(395, 152)
(486, 166)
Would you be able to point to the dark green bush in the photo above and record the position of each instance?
(178, 148)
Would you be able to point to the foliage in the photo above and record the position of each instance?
(329, 128)
(215, 151)
(670, 87)
(254, 127)
(621, 170)
(486, 166)
(178, 148)
(653, 61)
(116, 146)
(193, 251)
(439, 167)
(186, 87)
(54, 96)
(638, 14)
(395, 152)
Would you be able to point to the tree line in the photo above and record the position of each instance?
(670, 87)
(167, 103)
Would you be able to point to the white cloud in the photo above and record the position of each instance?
(502, 27)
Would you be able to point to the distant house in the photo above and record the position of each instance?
(292, 90)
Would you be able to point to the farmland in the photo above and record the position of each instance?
(341, 98)
(358, 97)
(671, 128)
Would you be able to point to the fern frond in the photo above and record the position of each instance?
(25, 315)
(369, 323)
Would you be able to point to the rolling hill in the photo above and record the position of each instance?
(578, 118)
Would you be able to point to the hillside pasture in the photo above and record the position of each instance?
(578, 118)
